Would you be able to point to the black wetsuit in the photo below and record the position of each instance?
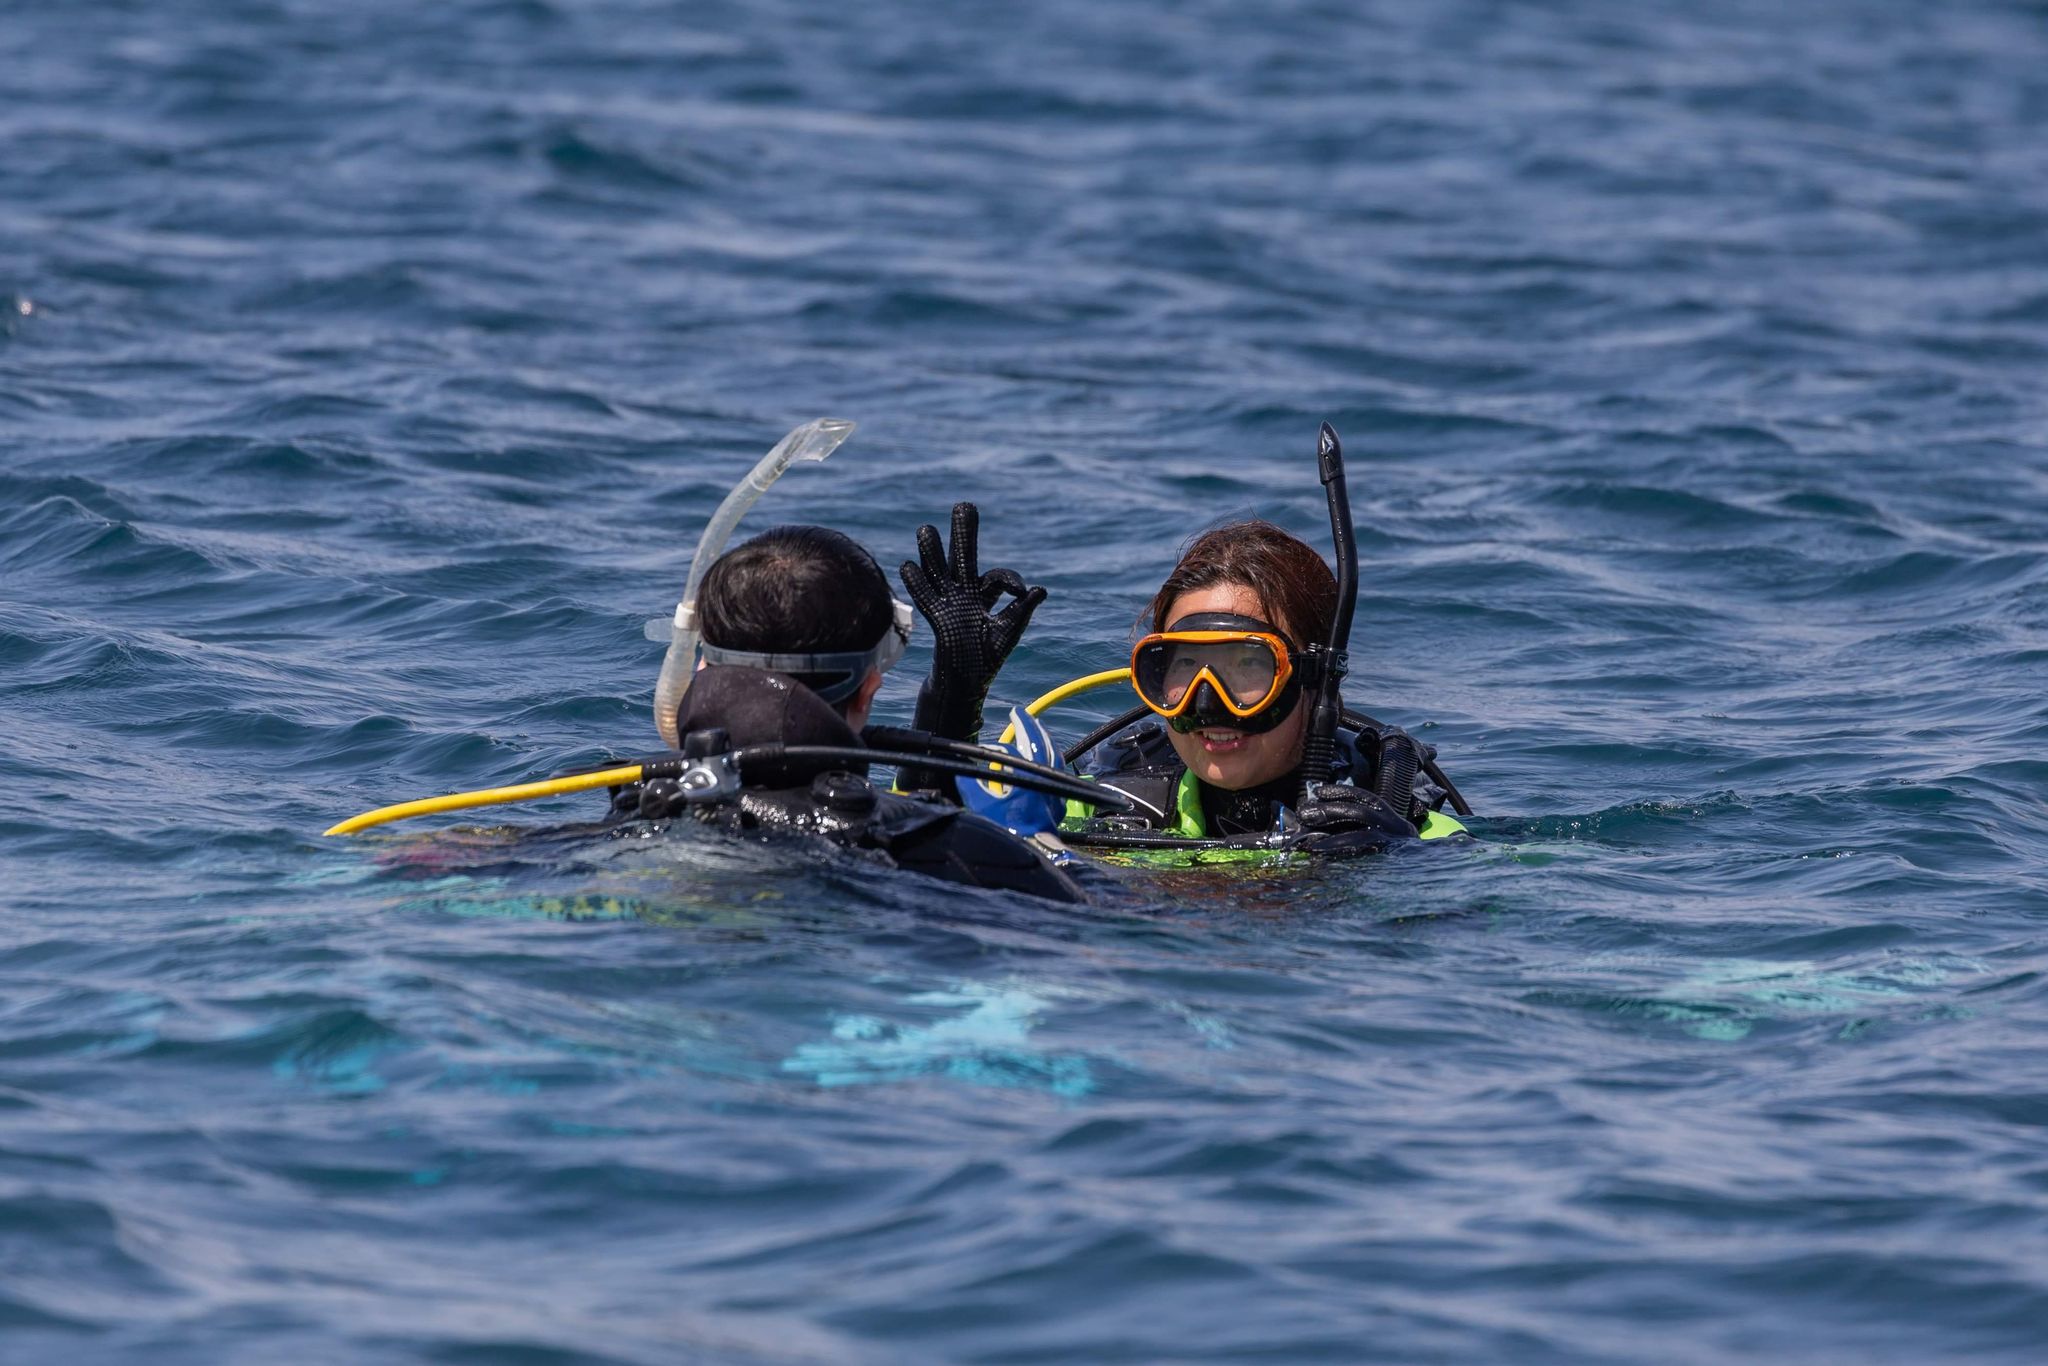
(1141, 762)
(754, 707)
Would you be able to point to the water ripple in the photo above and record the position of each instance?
(368, 373)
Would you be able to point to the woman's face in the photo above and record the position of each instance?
(1222, 756)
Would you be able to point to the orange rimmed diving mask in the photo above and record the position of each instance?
(1216, 669)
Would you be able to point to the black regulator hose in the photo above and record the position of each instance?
(1103, 732)
(893, 747)
(984, 764)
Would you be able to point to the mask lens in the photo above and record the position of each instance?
(1180, 671)
(1244, 667)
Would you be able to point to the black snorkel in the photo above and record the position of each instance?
(1332, 661)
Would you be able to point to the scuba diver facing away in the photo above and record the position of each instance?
(797, 628)
(1234, 629)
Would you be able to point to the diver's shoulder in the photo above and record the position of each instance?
(1437, 825)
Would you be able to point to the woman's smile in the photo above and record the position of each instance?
(1218, 740)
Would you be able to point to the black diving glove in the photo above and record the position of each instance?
(970, 639)
(1338, 814)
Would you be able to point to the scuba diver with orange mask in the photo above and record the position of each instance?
(1230, 692)
(1241, 741)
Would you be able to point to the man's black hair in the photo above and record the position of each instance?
(796, 590)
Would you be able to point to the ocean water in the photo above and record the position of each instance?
(367, 372)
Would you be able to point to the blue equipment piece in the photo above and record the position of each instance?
(1024, 813)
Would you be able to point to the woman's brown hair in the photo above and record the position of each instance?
(1290, 580)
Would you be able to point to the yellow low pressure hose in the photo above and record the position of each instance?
(489, 796)
(1071, 688)
(632, 773)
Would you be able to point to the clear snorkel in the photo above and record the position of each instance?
(813, 442)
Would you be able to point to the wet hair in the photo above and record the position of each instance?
(795, 590)
(1293, 585)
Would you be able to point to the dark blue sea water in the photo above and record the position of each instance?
(367, 372)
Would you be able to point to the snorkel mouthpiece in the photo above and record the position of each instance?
(811, 442)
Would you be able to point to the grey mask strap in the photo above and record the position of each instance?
(882, 656)
(854, 663)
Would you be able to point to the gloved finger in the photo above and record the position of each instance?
(966, 550)
(1343, 818)
(931, 551)
(997, 582)
(1324, 813)
(1337, 800)
(924, 594)
(1011, 621)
